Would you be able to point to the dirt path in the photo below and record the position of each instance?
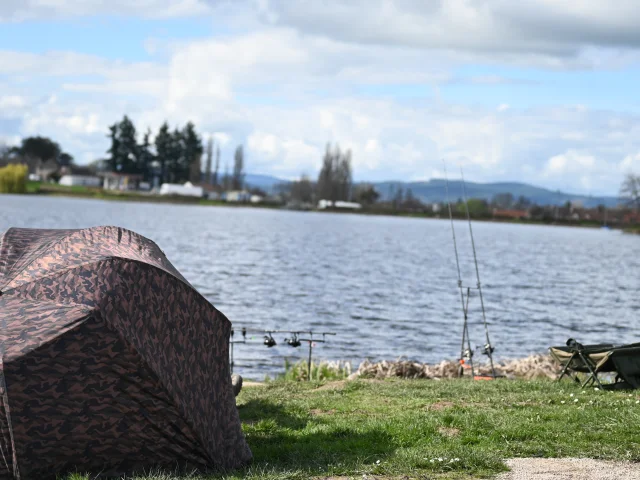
(569, 469)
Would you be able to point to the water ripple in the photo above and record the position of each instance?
(388, 286)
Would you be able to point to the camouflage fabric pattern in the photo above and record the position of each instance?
(113, 362)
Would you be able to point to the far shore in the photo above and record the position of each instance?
(36, 188)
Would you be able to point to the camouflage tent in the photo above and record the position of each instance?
(111, 360)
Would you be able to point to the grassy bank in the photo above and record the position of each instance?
(426, 429)
(125, 196)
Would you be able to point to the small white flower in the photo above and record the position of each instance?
(597, 389)
(562, 401)
(637, 402)
(377, 462)
(431, 461)
(575, 400)
(583, 392)
(571, 395)
(456, 459)
(439, 459)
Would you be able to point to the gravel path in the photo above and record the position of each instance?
(569, 469)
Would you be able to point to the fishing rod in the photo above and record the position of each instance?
(488, 348)
(468, 353)
(293, 341)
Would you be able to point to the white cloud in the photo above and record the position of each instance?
(630, 163)
(20, 10)
(571, 161)
(11, 102)
(288, 88)
(222, 138)
(541, 30)
(293, 156)
(10, 140)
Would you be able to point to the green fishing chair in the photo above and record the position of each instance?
(575, 358)
(623, 360)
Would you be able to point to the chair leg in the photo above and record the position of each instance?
(593, 377)
(565, 370)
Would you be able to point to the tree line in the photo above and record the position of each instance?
(174, 156)
(37, 148)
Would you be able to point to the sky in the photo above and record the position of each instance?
(536, 91)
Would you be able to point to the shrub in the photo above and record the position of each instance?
(319, 371)
(13, 178)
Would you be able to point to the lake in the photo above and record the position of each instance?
(386, 285)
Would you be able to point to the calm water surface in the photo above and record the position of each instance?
(387, 286)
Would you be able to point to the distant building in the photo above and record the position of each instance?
(121, 181)
(47, 170)
(78, 176)
(237, 196)
(210, 192)
(512, 214)
(185, 190)
(339, 204)
(80, 180)
(256, 199)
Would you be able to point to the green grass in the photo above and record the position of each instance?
(426, 428)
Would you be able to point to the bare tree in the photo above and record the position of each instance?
(207, 178)
(335, 178)
(630, 190)
(4, 151)
(238, 169)
(302, 190)
(215, 172)
(226, 179)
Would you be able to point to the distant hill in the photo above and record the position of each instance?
(434, 191)
(264, 182)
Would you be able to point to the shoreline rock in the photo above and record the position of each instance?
(533, 366)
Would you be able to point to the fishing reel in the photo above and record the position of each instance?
(293, 341)
(468, 354)
(487, 349)
(269, 341)
(244, 336)
(572, 343)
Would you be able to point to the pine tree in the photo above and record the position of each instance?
(191, 167)
(146, 157)
(127, 147)
(177, 172)
(164, 151)
(115, 147)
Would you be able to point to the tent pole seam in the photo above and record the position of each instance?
(5, 401)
